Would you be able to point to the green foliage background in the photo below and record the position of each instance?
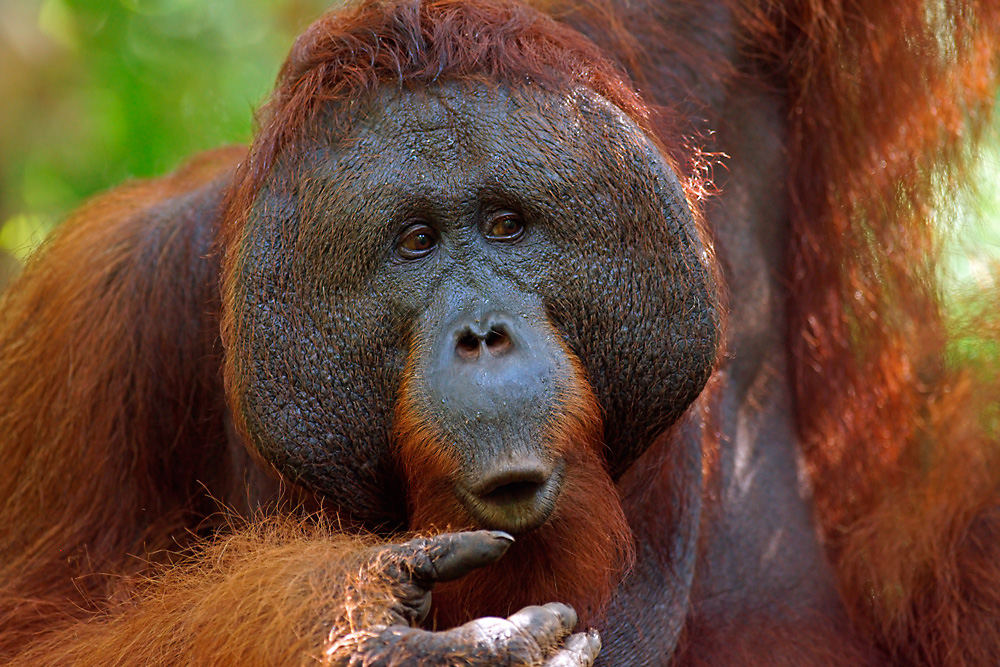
(94, 92)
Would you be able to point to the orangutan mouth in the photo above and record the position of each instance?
(516, 498)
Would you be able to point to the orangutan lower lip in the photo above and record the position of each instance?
(516, 500)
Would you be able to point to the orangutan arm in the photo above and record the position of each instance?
(286, 596)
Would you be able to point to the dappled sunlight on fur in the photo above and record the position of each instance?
(267, 594)
(905, 478)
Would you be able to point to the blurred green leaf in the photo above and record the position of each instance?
(94, 92)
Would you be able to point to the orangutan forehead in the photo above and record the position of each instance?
(473, 105)
(481, 132)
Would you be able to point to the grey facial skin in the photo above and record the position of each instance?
(606, 266)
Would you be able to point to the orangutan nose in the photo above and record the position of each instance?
(471, 345)
(516, 497)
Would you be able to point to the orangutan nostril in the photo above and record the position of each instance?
(497, 341)
(468, 345)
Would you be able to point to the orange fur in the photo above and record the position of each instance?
(346, 54)
(267, 595)
(75, 440)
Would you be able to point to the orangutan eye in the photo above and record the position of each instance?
(416, 241)
(505, 226)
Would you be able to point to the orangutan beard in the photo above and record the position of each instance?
(577, 557)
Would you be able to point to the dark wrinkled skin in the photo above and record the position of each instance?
(329, 314)
(449, 156)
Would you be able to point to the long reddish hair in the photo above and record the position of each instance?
(885, 100)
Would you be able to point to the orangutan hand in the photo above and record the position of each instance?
(534, 636)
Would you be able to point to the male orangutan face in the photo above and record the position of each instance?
(449, 282)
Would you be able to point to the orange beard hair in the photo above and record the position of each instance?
(576, 557)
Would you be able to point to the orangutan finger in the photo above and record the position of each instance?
(545, 625)
(412, 568)
(580, 650)
(451, 556)
(532, 636)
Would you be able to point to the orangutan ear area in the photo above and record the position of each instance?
(554, 333)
